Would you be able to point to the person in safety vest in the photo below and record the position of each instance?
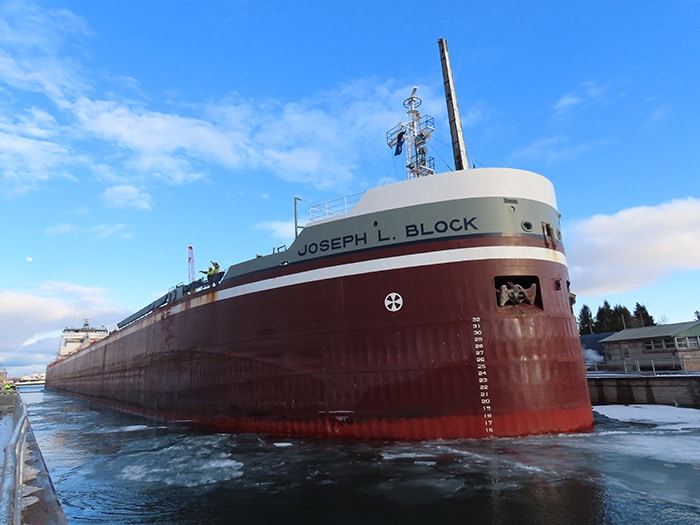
(210, 274)
(215, 274)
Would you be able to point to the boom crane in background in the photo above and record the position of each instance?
(190, 263)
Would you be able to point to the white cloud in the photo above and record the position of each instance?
(592, 89)
(308, 141)
(567, 101)
(321, 140)
(279, 229)
(26, 161)
(31, 42)
(31, 321)
(658, 114)
(317, 140)
(99, 231)
(35, 338)
(102, 231)
(474, 115)
(34, 122)
(152, 133)
(589, 91)
(553, 150)
(61, 229)
(82, 295)
(634, 247)
(161, 167)
(126, 196)
(26, 26)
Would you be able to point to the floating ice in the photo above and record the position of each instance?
(662, 416)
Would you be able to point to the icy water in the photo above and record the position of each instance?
(641, 466)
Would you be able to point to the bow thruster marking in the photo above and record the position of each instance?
(393, 302)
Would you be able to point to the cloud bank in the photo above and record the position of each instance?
(28, 322)
(634, 247)
(87, 130)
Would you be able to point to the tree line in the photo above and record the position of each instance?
(613, 318)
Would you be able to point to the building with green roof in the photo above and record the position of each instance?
(659, 347)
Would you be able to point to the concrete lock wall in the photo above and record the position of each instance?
(27, 494)
(681, 391)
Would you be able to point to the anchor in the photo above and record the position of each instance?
(516, 294)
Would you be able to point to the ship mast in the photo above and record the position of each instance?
(458, 148)
(410, 138)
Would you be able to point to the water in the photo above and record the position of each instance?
(112, 468)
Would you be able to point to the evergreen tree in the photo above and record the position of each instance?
(642, 317)
(697, 315)
(621, 318)
(604, 321)
(614, 319)
(585, 320)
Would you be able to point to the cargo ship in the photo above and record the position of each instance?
(433, 307)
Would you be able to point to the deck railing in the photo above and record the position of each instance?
(637, 367)
(13, 467)
(333, 208)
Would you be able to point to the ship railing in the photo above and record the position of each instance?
(333, 208)
(645, 367)
(173, 295)
(424, 128)
(13, 467)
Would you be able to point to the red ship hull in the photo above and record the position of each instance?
(327, 353)
(434, 307)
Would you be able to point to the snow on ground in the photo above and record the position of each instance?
(663, 416)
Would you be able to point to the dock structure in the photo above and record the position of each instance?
(680, 390)
(27, 494)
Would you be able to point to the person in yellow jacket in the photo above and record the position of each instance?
(213, 273)
(210, 274)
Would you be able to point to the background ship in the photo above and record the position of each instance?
(434, 307)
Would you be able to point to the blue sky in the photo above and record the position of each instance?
(131, 130)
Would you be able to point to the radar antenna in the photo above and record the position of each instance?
(411, 138)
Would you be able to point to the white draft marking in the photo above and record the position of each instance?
(393, 302)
